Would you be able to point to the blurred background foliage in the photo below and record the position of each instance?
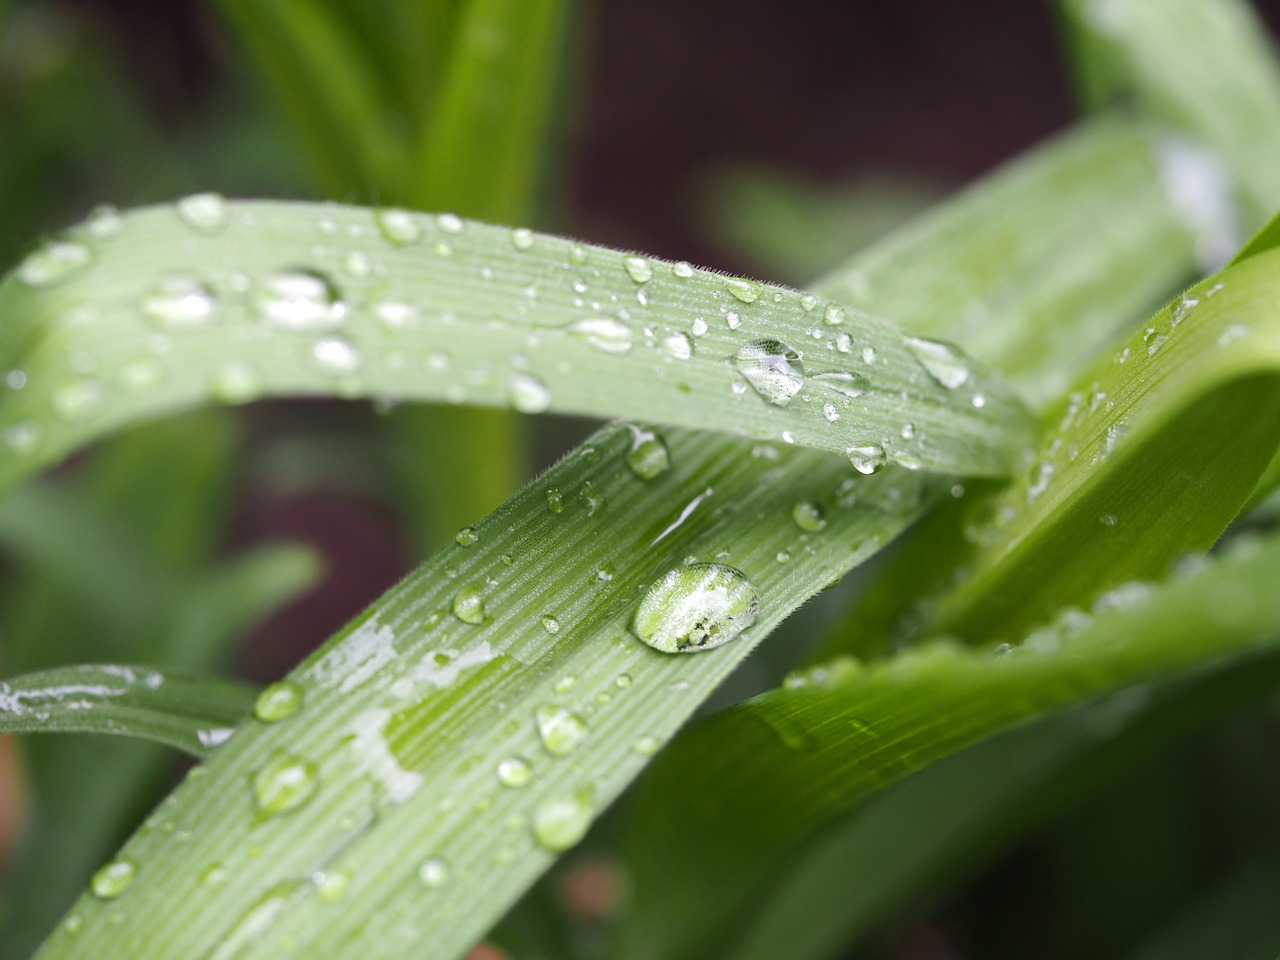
(759, 137)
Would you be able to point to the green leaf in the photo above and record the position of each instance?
(278, 298)
(838, 736)
(192, 713)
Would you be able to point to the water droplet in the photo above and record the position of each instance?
(748, 291)
(683, 269)
(943, 361)
(113, 879)
(834, 315)
(1183, 310)
(528, 394)
(647, 745)
(337, 356)
(604, 333)
(357, 263)
(638, 269)
(277, 701)
(560, 730)
(468, 604)
(105, 223)
(78, 400)
(399, 226)
(395, 315)
(830, 412)
(550, 624)
(450, 223)
(514, 772)
(677, 346)
(698, 327)
(648, 456)
(434, 873)
(867, 458)
(560, 822)
(285, 783)
(331, 885)
(235, 382)
(467, 537)
(846, 384)
(591, 497)
(809, 516)
(180, 303)
(215, 875)
(301, 301)
(522, 238)
(206, 212)
(23, 437)
(696, 607)
(53, 263)
(772, 368)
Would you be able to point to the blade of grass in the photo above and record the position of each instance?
(491, 317)
(192, 713)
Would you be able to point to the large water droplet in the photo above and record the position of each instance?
(638, 269)
(301, 301)
(748, 291)
(277, 701)
(113, 879)
(53, 263)
(206, 212)
(285, 783)
(867, 458)
(560, 730)
(943, 361)
(682, 269)
(648, 456)
(772, 368)
(696, 607)
(560, 822)
(603, 333)
(809, 516)
(399, 226)
(514, 772)
(180, 303)
(550, 624)
(468, 604)
(528, 394)
(522, 238)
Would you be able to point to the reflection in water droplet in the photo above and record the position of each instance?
(603, 333)
(696, 607)
(528, 394)
(180, 303)
(560, 822)
(944, 362)
(514, 772)
(591, 497)
(834, 315)
(550, 624)
(467, 537)
(522, 238)
(285, 783)
(277, 701)
(301, 301)
(53, 263)
(468, 604)
(399, 226)
(867, 458)
(206, 212)
(648, 456)
(560, 730)
(450, 223)
(113, 879)
(809, 516)
(638, 269)
(683, 269)
(337, 356)
(772, 368)
(747, 291)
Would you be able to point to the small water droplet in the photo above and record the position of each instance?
(809, 516)
(647, 745)
(105, 223)
(53, 263)
(79, 399)
(277, 701)
(943, 362)
(337, 356)
(215, 875)
(830, 412)
(677, 346)
(357, 263)
(468, 604)
(638, 269)
(696, 607)
(331, 885)
(301, 301)
(235, 382)
(748, 291)
(555, 500)
(648, 456)
(604, 333)
(113, 879)
(285, 783)
(550, 624)
(773, 369)
(180, 303)
(834, 315)
(467, 537)
(395, 315)
(528, 394)
(560, 822)
(399, 226)
(450, 223)
(867, 458)
(682, 269)
(514, 772)
(846, 384)
(206, 212)
(522, 238)
(560, 730)
(23, 437)
(591, 497)
(434, 873)
(1186, 304)
(699, 326)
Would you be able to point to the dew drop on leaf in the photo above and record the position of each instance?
(277, 701)
(696, 607)
(235, 382)
(450, 223)
(528, 394)
(638, 269)
(180, 303)
(560, 730)
(206, 212)
(748, 291)
(400, 227)
(560, 822)
(604, 333)
(809, 516)
(468, 604)
(53, 263)
(285, 783)
(867, 458)
(648, 457)
(300, 301)
(943, 362)
(434, 873)
(834, 315)
(105, 223)
(683, 269)
(467, 537)
(514, 772)
(773, 369)
(336, 355)
(113, 879)
(522, 238)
